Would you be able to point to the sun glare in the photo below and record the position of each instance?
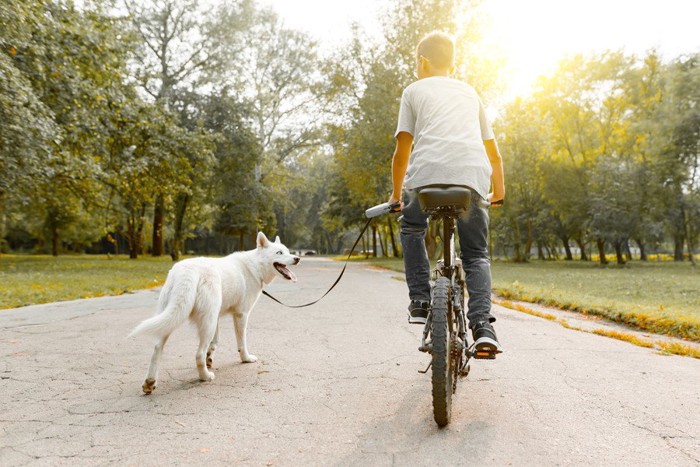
(535, 35)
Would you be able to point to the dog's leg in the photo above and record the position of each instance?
(206, 330)
(152, 376)
(240, 323)
(212, 347)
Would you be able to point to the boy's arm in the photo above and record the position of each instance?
(399, 163)
(497, 177)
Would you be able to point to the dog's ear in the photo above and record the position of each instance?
(277, 240)
(262, 240)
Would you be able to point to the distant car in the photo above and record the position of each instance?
(310, 253)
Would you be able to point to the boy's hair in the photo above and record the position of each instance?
(438, 48)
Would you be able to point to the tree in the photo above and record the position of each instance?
(56, 56)
(147, 154)
(678, 162)
(524, 219)
(241, 204)
(27, 136)
(185, 43)
(276, 78)
(371, 77)
(645, 89)
(584, 109)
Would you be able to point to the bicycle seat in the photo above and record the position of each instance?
(441, 196)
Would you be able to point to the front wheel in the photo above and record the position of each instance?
(443, 374)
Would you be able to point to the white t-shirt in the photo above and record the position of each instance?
(449, 126)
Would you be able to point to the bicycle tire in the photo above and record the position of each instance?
(443, 374)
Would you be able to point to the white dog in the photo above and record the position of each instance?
(204, 289)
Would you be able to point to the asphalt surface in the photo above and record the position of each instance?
(336, 384)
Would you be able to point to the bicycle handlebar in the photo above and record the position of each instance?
(380, 209)
(386, 208)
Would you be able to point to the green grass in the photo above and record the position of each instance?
(34, 279)
(662, 297)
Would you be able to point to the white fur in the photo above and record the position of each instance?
(203, 290)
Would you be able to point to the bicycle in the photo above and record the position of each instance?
(445, 335)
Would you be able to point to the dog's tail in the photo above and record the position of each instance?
(175, 305)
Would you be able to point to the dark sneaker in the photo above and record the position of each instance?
(485, 342)
(418, 312)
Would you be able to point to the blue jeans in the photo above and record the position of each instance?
(473, 230)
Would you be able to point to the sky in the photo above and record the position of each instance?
(533, 35)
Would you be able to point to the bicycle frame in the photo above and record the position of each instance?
(450, 266)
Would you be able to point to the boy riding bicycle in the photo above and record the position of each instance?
(444, 138)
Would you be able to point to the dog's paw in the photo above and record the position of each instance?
(207, 376)
(250, 358)
(149, 386)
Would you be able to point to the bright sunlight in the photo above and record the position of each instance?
(533, 35)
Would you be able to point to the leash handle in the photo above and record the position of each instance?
(359, 237)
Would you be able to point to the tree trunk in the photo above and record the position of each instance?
(601, 251)
(384, 242)
(567, 249)
(394, 246)
(135, 231)
(627, 250)
(516, 242)
(549, 254)
(364, 246)
(582, 247)
(2, 222)
(686, 234)
(139, 230)
(540, 250)
(131, 237)
(678, 241)
(374, 241)
(642, 250)
(181, 208)
(54, 239)
(618, 252)
(528, 242)
(158, 216)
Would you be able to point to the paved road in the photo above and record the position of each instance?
(336, 384)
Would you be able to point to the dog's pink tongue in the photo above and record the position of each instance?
(292, 276)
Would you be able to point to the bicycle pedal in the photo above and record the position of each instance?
(485, 355)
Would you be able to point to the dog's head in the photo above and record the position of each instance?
(276, 258)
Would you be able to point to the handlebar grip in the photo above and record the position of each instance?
(380, 209)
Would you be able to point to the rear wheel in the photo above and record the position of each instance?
(443, 370)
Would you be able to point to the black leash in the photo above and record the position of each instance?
(359, 237)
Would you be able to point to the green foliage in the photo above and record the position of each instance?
(221, 118)
(609, 164)
(369, 79)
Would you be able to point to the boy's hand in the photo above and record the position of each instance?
(495, 201)
(394, 200)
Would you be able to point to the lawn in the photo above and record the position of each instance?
(33, 279)
(661, 296)
(656, 296)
